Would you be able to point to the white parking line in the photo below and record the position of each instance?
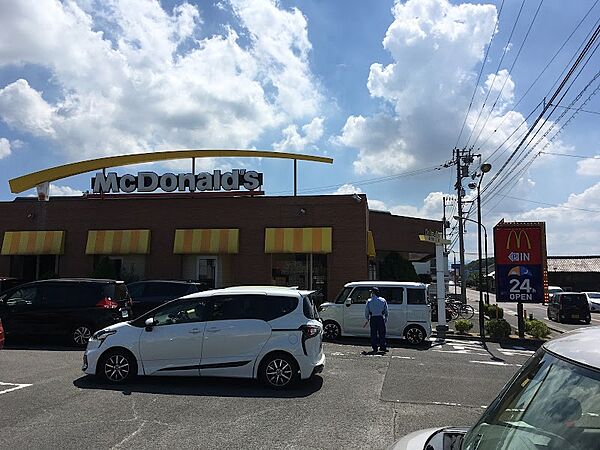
(495, 363)
(15, 386)
(403, 357)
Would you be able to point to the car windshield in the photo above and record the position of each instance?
(549, 404)
(573, 299)
(593, 294)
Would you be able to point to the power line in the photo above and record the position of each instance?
(540, 75)
(509, 72)
(479, 76)
(582, 110)
(496, 71)
(558, 90)
(553, 204)
(570, 156)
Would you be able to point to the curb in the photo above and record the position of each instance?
(525, 342)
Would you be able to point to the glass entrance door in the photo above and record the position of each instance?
(207, 270)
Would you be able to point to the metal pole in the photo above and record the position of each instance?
(440, 291)
(461, 241)
(481, 318)
(194, 166)
(295, 177)
(487, 279)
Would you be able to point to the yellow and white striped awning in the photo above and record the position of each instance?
(370, 245)
(118, 242)
(206, 241)
(298, 240)
(33, 243)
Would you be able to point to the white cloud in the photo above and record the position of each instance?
(436, 48)
(4, 148)
(133, 77)
(293, 140)
(589, 167)
(24, 108)
(432, 208)
(348, 189)
(573, 227)
(64, 191)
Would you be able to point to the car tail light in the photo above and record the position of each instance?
(108, 303)
(309, 331)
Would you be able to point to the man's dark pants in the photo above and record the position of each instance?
(377, 333)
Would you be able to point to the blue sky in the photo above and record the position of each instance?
(382, 87)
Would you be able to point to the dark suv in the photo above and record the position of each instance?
(72, 307)
(565, 306)
(147, 295)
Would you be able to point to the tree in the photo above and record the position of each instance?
(396, 268)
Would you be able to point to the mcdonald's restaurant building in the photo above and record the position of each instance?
(224, 231)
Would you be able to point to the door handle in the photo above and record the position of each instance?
(213, 330)
(195, 331)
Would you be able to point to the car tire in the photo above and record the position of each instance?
(414, 334)
(278, 371)
(588, 320)
(117, 366)
(80, 335)
(331, 330)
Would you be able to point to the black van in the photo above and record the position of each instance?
(564, 306)
(75, 308)
(150, 294)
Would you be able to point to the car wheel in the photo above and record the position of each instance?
(278, 371)
(588, 320)
(117, 366)
(414, 334)
(80, 335)
(331, 331)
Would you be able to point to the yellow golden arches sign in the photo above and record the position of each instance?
(33, 243)
(34, 179)
(206, 241)
(298, 240)
(118, 242)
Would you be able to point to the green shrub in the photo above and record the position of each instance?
(491, 311)
(463, 325)
(498, 328)
(537, 329)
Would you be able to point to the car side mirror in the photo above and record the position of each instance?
(348, 301)
(149, 323)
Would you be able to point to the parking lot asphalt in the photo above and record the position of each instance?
(360, 401)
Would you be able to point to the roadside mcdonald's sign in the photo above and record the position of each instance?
(520, 254)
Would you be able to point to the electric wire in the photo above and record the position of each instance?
(558, 90)
(505, 50)
(482, 145)
(479, 76)
(510, 70)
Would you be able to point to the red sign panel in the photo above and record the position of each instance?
(518, 245)
(520, 253)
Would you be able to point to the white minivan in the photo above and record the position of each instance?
(409, 314)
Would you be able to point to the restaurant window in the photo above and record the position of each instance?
(304, 270)
(34, 267)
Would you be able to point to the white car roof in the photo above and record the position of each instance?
(385, 284)
(580, 345)
(265, 290)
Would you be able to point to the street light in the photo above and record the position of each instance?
(485, 252)
(484, 168)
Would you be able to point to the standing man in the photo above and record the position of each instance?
(376, 312)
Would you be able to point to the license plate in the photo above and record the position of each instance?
(124, 314)
(574, 316)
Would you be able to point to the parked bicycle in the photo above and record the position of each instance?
(460, 309)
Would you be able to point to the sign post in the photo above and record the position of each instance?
(438, 239)
(521, 273)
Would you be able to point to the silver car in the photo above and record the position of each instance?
(553, 402)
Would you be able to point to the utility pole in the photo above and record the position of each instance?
(462, 160)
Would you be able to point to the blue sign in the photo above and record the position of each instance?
(519, 283)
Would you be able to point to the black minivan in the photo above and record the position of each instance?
(565, 306)
(150, 294)
(75, 308)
